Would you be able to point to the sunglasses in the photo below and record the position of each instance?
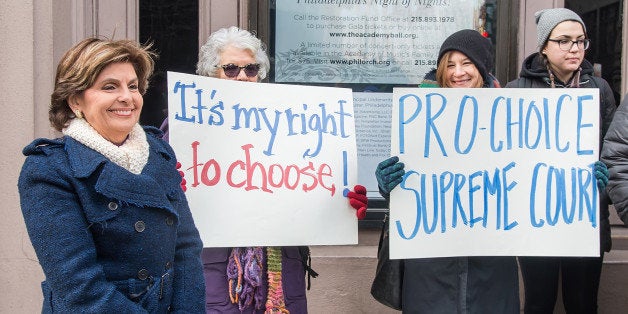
(232, 70)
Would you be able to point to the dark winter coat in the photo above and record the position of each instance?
(108, 240)
(534, 74)
(614, 155)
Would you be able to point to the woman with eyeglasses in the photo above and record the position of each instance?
(560, 63)
(253, 279)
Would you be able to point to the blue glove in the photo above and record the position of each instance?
(389, 173)
(601, 174)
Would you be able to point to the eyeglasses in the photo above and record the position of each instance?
(232, 70)
(567, 44)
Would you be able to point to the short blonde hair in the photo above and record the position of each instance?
(441, 71)
(80, 66)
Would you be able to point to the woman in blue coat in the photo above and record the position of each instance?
(103, 204)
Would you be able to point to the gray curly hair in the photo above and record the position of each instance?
(209, 55)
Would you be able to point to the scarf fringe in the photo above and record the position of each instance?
(275, 303)
(244, 274)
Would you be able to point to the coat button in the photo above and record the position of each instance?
(112, 205)
(168, 265)
(169, 221)
(140, 226)
(142, 274)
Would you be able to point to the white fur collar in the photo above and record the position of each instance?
(132, 155)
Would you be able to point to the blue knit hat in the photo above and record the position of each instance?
(547, 19)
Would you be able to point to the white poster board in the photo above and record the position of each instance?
(265, 164)
(495, 172)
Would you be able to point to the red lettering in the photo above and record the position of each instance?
(216, 178)
(230, 174)
(246, 172)
(271, 175)
(250, 170)
(327, 173)
(195, 163)
(287, 177)
(305, 172)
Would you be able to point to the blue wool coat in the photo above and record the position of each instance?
(109, 240)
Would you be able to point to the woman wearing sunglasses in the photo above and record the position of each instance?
(233, 54)
(560, 63)
(237, 279)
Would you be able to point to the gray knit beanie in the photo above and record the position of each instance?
(547, 19)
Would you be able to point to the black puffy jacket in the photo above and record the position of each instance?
(615, 156)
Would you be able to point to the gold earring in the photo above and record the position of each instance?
(78, 114)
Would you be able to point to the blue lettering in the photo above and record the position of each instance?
(180, 88)
(429, 123)
(583, 193)
(420, 205)
(445, 200)
(508, 187)
(533, 112)
(581, 125)
(473, 126)
(535, 173)
(403, 121)
(473, 188)
(559, 107)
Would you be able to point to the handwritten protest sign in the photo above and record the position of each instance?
(495, 172)
(265, 164)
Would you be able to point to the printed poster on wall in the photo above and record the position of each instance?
(495, 172)
(265, 164)
(365, 41)
(372, 127)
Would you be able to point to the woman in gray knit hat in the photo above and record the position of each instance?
(559, 63)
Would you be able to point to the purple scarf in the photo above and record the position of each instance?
(245, 274)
